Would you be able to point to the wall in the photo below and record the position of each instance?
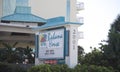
(25, 24)
(8, 7)
(0, 8)
(53, 8)
(48, 8)
(44, 8)
(73, 11)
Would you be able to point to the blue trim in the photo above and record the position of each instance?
(61, 61)
(22, 17)
(55, 22)
(68, 11)
(36, 46)
(67, 43)
(53, 25)
(56, 19)
(64, 42)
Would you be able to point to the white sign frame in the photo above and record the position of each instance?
(52, 46)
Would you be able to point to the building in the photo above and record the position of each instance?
(50, 9)
(20, 24)
(16, 23)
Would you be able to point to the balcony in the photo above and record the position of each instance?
(80, 6)
(80, 19)
(80, 35)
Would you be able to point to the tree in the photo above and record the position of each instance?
(29, 54)
(94, 58)
(80, 54)
(112, 51)
(8, 54)
(80, 50)
(107, 54)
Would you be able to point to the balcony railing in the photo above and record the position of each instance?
(80, 19)
(80, 6)
(80, 35)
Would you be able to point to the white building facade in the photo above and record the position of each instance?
(46, 17)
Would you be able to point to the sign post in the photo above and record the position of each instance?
(60, 44)
(57, 44)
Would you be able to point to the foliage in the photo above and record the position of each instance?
(7, 54)
(112, 51)
(4, 67)
(28, 53)
(80, 51)
(92, 68)
(56, 68)
(107, 54)
(94, 58)
(80, 54)
(50, 68)
(10, 54)
(65, 68)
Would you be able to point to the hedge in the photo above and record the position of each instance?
(5, 67)
(65, 68)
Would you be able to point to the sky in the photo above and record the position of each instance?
(98, 16)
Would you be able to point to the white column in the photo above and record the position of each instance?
(72, 59)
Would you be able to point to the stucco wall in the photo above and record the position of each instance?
(48, 8)
(0, 8)
(53, 8)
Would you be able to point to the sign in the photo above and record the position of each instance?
(74, 38)
(51, 44)
(50, 61)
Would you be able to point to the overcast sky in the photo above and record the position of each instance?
(98, 16)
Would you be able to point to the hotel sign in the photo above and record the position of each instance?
(51, 44)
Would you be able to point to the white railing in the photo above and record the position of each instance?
(80, 19)
(80, 6)
(80, 35)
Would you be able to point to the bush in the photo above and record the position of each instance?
(40, 68)
(4, 67)
(65, 68)
(92, 68)
(49, 68)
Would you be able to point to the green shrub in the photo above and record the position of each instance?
(92, 68)
(84, 68)
(55, 68)
(65, 68)
(17, 68)
(40, 68)
(50, 68)
(4, 67)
